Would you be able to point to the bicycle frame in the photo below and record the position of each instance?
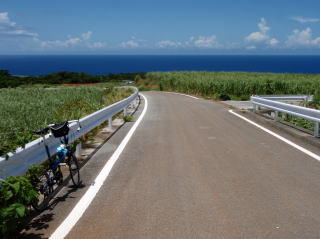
(60, 157)
(54, 164)
(53, 174)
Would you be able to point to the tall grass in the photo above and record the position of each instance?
(236, 83)
(26, 109)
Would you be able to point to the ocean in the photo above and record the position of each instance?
(104, 64)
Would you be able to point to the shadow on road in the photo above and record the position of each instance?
(39, 222)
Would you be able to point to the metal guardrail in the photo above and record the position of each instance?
(298, 111)
(304, 98)
(35, 152)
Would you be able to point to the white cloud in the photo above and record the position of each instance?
(10, 28)
(206, 42)
(130, 44)
(273, 42)
(59, 43)
(257, 37)
(253, 41)
(86, 36)
(13, 34)
(262, 35)
(263, 26)
(4, 17)
(305, 20)
(302, 38)
(251, 47)
(134, 43)
(192, 42)
(168, 44)
(98, 45)
(72, 41)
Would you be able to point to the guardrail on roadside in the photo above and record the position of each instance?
(273, 103)
(304, 98)
(35, 152)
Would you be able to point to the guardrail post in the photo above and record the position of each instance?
(78, 150)
(110, 123)
(316, 129)
(125, 111)
(254, 108)
(276, 115)
(305, 101)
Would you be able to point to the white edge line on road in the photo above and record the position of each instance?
(182, 94)
(76, 213)
(313, 155)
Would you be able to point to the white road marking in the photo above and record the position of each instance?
(76, 213)
(182, 94)
(313, 155)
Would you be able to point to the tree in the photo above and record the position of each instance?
(137, 79)
(4, 73)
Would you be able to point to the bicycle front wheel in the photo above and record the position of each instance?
(45, 189)
(74, 170)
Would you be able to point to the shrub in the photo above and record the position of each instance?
(144, 88)
(16, 196)
(127, 118)
(137, 79)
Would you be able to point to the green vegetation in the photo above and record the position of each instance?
(64, 77)
(26, 109)
(235, 84)
(303, 123)
(127, 118)
(144, 88)
(16, 196)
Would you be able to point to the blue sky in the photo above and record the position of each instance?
(159, 27)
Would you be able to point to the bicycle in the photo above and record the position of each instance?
(64, 156)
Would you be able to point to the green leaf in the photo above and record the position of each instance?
(16, 186)
(7, 195)
(21, 210)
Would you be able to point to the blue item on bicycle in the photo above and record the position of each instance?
(62, 152)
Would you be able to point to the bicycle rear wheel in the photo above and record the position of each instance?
(45, 189)
(74, 170)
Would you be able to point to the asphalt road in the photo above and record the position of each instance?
(193, 170)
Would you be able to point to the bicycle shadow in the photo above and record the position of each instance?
(61, 198)
(39, 222)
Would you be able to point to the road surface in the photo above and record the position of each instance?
(193, 170)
